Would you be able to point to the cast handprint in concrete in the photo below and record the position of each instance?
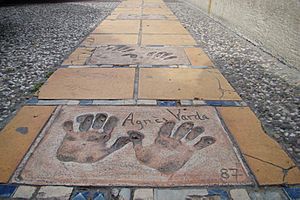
(88, 145)
(169, 153)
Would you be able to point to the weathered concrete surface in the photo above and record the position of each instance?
(135, 146)
(272, 24)
(126, 55)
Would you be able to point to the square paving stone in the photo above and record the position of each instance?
(79, 56)
(127, 10)
(18, 135)
(172, 40)
(265, 157)
(160, 11)
(180, 194)
(120, 9)
(89, 83)
(125, 16)
(94, 40)
(198, 57)
(54, 192)
(200, 84)
(24, 192)
(154, 5)
(129, 5)
(143, 194)
(118, 26)
(163, 27)
(134, 146)
(126, 55)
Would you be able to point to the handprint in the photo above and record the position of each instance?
(88, 145)
(169, 153)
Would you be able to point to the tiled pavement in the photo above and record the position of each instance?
(138, 111)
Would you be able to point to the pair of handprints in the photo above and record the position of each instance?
(168, 153)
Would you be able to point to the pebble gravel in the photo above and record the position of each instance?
(35, 39)
(267, 85)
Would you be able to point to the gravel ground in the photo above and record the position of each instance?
(265, 84)
(34, 40)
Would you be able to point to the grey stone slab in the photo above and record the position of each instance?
(52, 102)
(54, 192)
(24, 192)
(237, 194)
(146, 102)
(114, 102)
(125, 55)
(143, 194)
(178, 194)
(125, 194)
(186, 102)
(261, 194)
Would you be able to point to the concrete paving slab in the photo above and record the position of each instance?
(154, 5)
(172, 40)
(125, 55)
(128, 10)
(118, 26)
(114, 16)
(79, 56)
(130, 5)
(134, 146)
(157, 11)
(24, 192)
(89, 83)
(198, 57)
(54, 192)
(180, 194)
(94, 40)
(268, 161)
(18, 135)
(180, 83)
(163, 27)
(125, 16)
(143, 194)
(125, 10)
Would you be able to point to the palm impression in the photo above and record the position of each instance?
(169, 152)
(88, 145)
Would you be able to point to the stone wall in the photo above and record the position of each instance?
(272, 24)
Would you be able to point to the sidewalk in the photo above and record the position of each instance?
(138, 105)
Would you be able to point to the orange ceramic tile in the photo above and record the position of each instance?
(89, 83)
(118, 26)
(262, 152)
(94, 40)
(163, 27)
(79, 56)
(172, 40)
(18, 135)
(198, 57)
(178, 83)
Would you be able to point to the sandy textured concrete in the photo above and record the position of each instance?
(143, 146)
(272, 24)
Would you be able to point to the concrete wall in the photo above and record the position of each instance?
(272, 24)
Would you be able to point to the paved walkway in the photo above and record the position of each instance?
(139, 105)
